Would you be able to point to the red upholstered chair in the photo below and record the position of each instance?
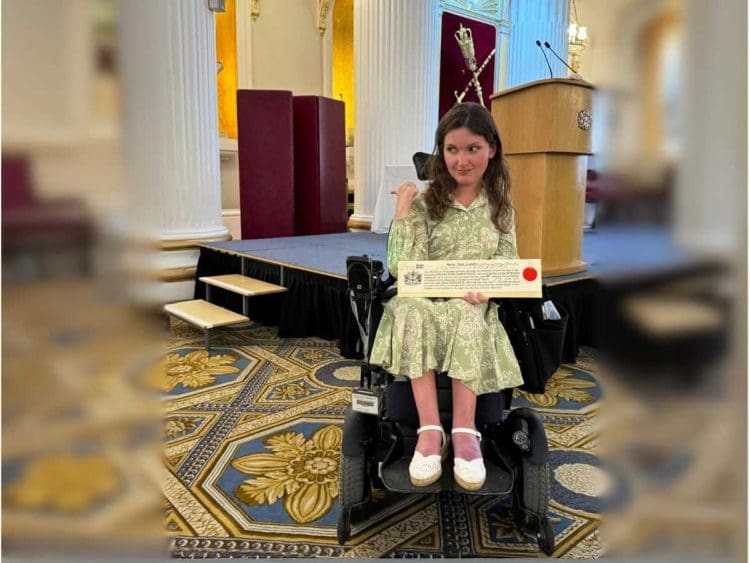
(630, 196)
(592, 190)
(34, 226)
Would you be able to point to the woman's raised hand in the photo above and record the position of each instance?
(474, 298)
(405, 195)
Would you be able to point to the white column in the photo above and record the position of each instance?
(710, 218)
(532, 20)
(47, 93)
(710, 202)
(168, 56)
(396, 91)
(244, 45)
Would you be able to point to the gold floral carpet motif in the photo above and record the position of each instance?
(254, 432)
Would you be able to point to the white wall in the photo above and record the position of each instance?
(711, 205)
(48, 89)
(532, 20)
(48, 95)
(612, 63)
(47, 68)
(35, 74)
(708, 209)
(286, 47)
(282, 50)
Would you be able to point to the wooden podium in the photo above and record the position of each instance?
(545, 127)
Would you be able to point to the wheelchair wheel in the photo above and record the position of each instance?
(545, 538)
(353, 490)
(535, 487)
(343, 525)
(352, 480)
(531, 503)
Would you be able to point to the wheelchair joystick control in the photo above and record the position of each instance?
(520, 436)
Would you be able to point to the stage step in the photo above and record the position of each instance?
(203, 314)
(243, 285)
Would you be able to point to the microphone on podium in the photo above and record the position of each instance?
(549, 67)
(559, 58)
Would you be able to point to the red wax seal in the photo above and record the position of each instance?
(530, 274)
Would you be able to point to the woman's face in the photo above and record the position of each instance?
(466, 156)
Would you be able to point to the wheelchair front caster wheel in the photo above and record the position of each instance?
(545, 537)
(344, 525)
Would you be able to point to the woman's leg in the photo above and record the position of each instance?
(425, 396)
(465, 446)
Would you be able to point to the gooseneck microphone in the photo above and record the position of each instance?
(559, 58)
(549, 67)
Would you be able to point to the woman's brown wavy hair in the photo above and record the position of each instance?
(439, 195)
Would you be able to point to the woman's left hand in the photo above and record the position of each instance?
(474, 298)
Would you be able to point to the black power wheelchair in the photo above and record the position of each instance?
(380, 432)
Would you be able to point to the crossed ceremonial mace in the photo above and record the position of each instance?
(466, 43)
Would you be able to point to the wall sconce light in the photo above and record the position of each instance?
(578, 36)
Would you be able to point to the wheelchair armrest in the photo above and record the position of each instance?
(389, 293)
(389, 289)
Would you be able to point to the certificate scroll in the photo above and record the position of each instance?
(454, 278)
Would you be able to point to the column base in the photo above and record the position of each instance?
(163, 271)
(155, 294)
(359, 222)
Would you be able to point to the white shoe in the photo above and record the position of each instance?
(469, 474)
(425, 470)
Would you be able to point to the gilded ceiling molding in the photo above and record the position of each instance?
(494, 10)
(324, 7)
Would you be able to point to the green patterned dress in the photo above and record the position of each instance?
(467, 341)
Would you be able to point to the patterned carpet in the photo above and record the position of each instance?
(253, 438)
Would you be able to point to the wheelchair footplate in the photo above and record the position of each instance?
(394, 472)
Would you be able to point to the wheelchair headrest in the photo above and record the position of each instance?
(422, 164)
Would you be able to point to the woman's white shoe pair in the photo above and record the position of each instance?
(469, 474)
(425, 470)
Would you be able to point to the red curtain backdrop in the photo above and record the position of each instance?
(454, 74)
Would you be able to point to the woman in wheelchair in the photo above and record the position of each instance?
(464, 214)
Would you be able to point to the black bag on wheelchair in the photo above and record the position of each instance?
(366, 290)
(537, 342)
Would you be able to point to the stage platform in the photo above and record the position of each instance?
(314, 270)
